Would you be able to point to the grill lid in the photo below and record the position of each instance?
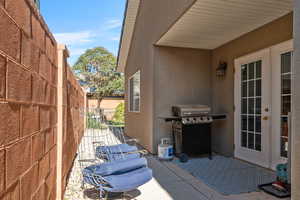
(190, 110)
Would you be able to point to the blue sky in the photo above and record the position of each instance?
(84, 24)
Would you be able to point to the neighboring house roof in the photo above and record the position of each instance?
(130, 16)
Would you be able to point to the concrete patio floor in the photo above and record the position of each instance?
(173, 183)
(169, 183)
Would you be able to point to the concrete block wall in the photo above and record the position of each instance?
(71, 112)
(74, 122)
(28, 81)
(29, 106)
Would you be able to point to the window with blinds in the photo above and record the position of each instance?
(134, 92)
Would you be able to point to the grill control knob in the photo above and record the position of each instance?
(194, 120)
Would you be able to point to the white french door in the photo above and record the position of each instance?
(252, 107)
(281, 56)
(262, 104)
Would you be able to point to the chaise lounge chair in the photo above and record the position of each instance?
(118, 176)
(103, 152)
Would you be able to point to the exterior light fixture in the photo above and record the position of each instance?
(221, 69)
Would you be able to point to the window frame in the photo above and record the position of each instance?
(129, 93)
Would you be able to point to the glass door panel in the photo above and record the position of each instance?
(251, 105)
(286, 100)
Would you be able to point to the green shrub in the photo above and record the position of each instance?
(118, 118)
(93, 122)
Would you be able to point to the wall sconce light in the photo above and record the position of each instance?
(221, 69)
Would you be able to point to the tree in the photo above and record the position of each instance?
(119, 114)
(96, 70)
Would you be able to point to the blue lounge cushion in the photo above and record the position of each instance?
(128, 181)
(113, 157)
(115, 167)
(115, 149)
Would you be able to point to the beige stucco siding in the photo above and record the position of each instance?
(153, 20)
(107, 103)
(176, 75)
(182, 76)
(223, 88)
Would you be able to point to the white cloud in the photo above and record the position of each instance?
(78, 42)
(112, 24)
(115, 38)
(77, 51)
(74, 38)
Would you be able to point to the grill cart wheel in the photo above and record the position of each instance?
(183, 158)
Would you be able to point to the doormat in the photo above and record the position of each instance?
(268, 188)
(228, 176)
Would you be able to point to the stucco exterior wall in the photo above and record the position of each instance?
(182, 76)
(223, 88)
(109, 106)
(154, 18)
(176, 75)
(107, 103)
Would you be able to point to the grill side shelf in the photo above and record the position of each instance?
(219, 116)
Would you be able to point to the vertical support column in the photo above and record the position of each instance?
(296, 106)
(62, 55)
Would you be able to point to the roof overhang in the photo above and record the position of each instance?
(208, 24)
(130, 17)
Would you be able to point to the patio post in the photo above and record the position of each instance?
(296, 106)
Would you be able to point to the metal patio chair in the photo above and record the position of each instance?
(110, 144)
(117, 173)
(110, 162)
(120, 176)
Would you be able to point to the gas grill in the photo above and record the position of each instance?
(193, 114)
(191, 126)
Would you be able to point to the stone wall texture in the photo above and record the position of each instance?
(73, 123)
(28, 106)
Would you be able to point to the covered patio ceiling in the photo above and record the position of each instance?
(209, 24)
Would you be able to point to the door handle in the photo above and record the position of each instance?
(265, 118)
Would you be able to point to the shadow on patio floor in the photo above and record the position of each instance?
(94, 194)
